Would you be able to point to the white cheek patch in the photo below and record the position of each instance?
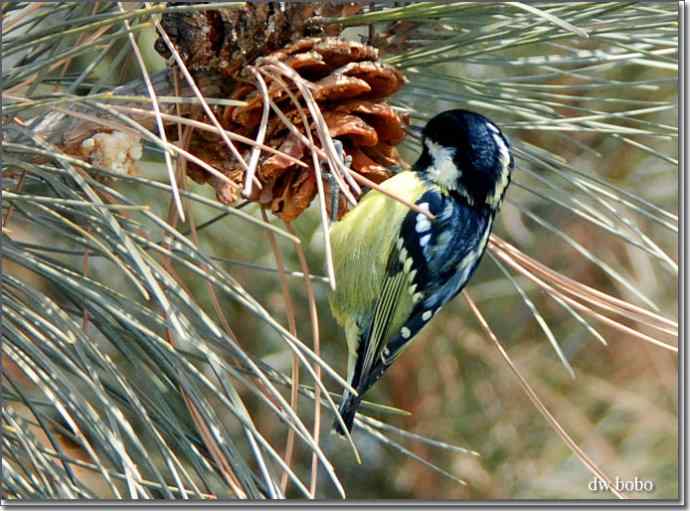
(443, 170)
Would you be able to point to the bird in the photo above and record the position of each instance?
(395, 268)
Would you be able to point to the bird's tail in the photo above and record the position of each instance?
(347, 410)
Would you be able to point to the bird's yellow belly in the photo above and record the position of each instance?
(362, 242)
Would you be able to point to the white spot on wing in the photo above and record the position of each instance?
(405, 332)
(424, 240)
(407, 265)
(423, 223)
(426, 315)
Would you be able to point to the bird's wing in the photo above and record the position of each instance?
(361, 244)
(430, 263)
(393, 301)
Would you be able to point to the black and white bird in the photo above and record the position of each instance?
(395, 267)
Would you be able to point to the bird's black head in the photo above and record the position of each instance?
(465, 153)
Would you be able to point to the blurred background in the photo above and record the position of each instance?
(621, 406)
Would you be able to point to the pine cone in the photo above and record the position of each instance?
(225, 40)
(350, 85)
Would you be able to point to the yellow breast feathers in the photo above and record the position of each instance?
(362, 242)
